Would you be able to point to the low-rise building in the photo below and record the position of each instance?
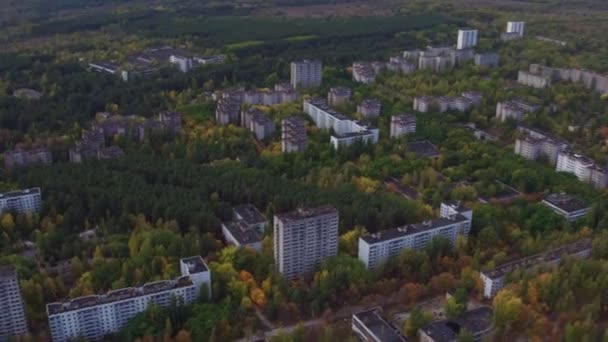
(93, 317)
(21, 201)
(402, 124)
(567, 206)
(477, 321)
(489, 59)
(246, 228)
(293, 135)
(533, 80)
(339, 95)
(371, 326)
(369, 108)
(481, 134)
(494, 279)
(104, 67)
(377, 248)
(508, 36)
(20, 157)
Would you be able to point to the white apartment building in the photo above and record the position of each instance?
(533, 80)
(494, 279)
(364, 72)
(377, 248)
(12, 315)
(306, 73)
(21, 201)
(93, 317)
(514, 109)
(347, 131)
(570, 162)
(423, 104)
(535, 143)
(467, 38)
(516, 27)
(303, 239)
(402, 124)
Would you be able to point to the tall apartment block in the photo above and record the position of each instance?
(516, 27)
(12, 315)
(467, 38)
(402, 124)
(374, 249)
(303, 239)
(293, 135)
(93, 317)
(306, 73)
(21, 201)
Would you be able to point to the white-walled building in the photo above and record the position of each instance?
(533, 80)
(374, 249)
(369, 108)
(534, 143)
(12, 314)
(346, 131)
(579, 165)
(516, 27)
(402, 124)
(183, 63)
(306, 73)
(21, 201)
(303, 239)
(467, 38)
(514, 109)
(93, 317)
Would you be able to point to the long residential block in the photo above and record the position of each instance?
(21, 201)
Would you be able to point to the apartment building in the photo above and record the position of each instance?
(21, 157)
(347, 131)
(534, 144)
(364, 72)
(306, 73)
(258, 123)
(12, 316)
(401, 65)
(402, 124)
(227, 111)
(371, 326)
(338, 95)
(488, 59)
(293, 135)
(589, 79)
(369, 108)
(374, 249)
(183, 63)
(93, 317)
(598, 177)
(246, 228)
(514, 109)
(467, 38)
(532, 80)
(516, 27)
(424, 104)
(21, 201)
(568, 206)
(494, 279)
(579, 165)
(478, 322)
(463, 103)
(436, 60)
(303, 239)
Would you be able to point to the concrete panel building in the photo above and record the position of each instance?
(369, 108)
(303, 239)
(306, 74)
(26, 157)
(12, 316)
(21, 201)
(371, 326)
(533, 144)
(579, 165)
(488, 59)
(293, 135)
(516, 27)
(570, 207)
(467, 38)
(533, 80)
(246, 228)
(402, 124)
(339, 95)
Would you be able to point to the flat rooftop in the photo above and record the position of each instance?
(305, 213)
(411, 229)
(475, 321)
(379, 326)
(322, 105)
(249, 213)
(243, 232)
(423, 149)
(565, 202)
(196, 264)
(18, 193)
(552, 255)
(7, 271)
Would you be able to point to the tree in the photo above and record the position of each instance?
(507, 310)
(418, 319)
(7, 222)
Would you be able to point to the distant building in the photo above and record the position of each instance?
(534, 143)
(347, 131)
(474, 96)
(494, 279)
(567, 206)
(303, 239)
(183, 63)
(598, 176)
(246, 228)
(27, 157)
(423, 149)
(466, 38)
(104, 67)
(532, 80)
(227, 111)
(455, 220)
(370, 326)
(93, 317)
(579, 165)
(369, 108)
(293, 135)
(436, 60)
(461, 56)
(339, 95)
(489, 59)
(516, 27)
(21, 201)
(27, 94)
(402, 124)
(364, 72)
(12, 316)
(401, 65)
(506, 36)
(551, 40)
(213, 59)
(514, 109)
(589, 79)
(481, 134)
(424, 104)
(258, 123)
(306, 73)
(477, 321)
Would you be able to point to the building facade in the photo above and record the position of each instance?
(12, 316)
(303, 239)
(467, 38)
(306, 73)
(579, 165)
(516, 27)
(369, 108)
(534, 144)
(27, 157)
(532, 80)
(489, 59)
(371, 326)
(293, 135)
(570, 207)
(402, 124)
(246, 228)
(21, 201)
(338, 95)
(93, 317)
